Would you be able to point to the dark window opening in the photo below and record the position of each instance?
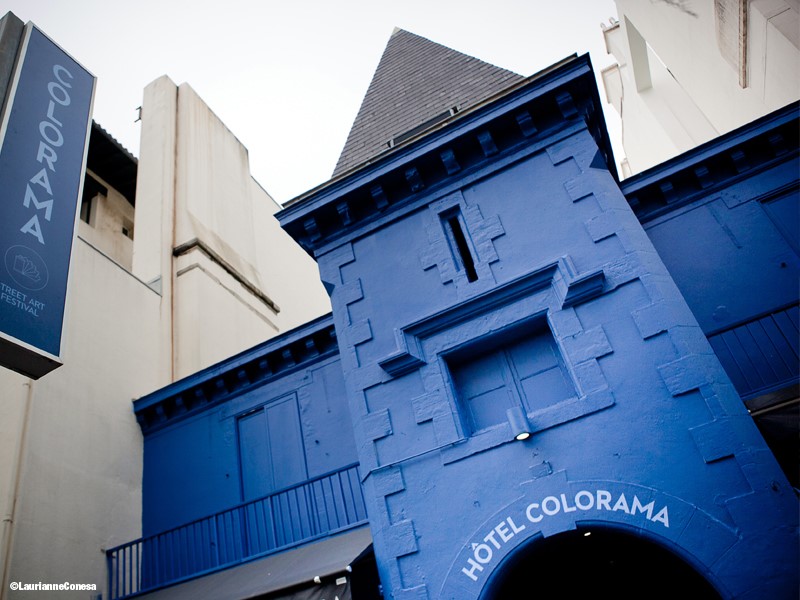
(459, 246)
(91, 188)
(86, 209)
(127, 228)
(777, 416)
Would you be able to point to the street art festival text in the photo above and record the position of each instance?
(536, 512)
(19, 300)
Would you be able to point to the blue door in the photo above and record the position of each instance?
(273, 462)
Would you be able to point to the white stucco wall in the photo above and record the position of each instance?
(109, 215)
(290, 276)
(155, 184)
(204, 293)
(678, 86)
(217, 206)
(213, 186)
(80, 467)
(13, 404)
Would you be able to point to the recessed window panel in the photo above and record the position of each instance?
(524, 369)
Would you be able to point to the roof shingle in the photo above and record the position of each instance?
(416, 80)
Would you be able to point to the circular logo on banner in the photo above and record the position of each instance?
(26, 268)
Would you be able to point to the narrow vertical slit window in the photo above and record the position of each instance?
(91, 189)
(460, 247)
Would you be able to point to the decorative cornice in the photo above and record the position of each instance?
(544, 105)
(278, 357)
(717, 164)
(196, 243)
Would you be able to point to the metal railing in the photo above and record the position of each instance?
(314, 508)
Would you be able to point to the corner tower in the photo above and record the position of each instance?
(520, 365)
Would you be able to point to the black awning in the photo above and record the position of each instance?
(360, 582)
(336, 589)
(293, 571)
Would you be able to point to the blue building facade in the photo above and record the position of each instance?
(253, 455)
(533, 376)
(733, 207)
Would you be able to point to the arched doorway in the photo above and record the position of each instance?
(592, 562)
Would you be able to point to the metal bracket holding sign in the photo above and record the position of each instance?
(44, 138)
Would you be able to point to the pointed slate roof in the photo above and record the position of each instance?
(416, 83)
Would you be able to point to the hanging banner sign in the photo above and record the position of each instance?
(43, 144)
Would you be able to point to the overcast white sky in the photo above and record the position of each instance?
(287, 77)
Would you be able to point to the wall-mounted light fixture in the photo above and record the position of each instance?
(520, 428)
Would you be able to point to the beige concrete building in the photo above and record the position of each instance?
(178, 263)
(690, 70)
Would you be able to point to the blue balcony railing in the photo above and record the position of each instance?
(313, 509)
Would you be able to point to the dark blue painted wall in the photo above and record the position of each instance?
(192, 465)
(732, 262)
(734, 256)
(724, 219)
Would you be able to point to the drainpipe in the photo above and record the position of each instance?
(9, 519)
(11, 30)
(173, 242)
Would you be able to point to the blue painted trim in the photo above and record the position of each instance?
(466, 177)
(312, 343)
(717, 164)
(712, 148)
(302, 218)
(543, 290)
(405, 359)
